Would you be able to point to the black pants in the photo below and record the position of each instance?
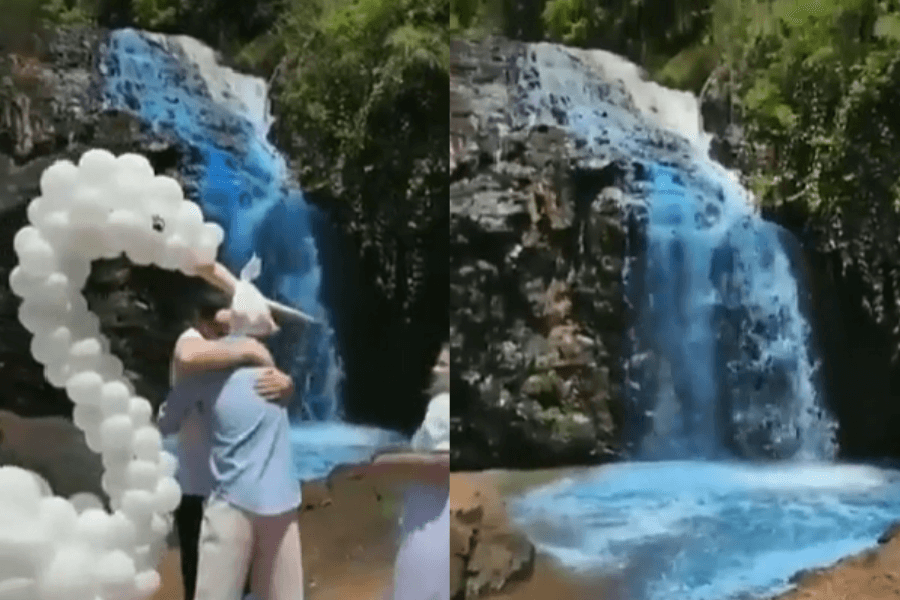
(188, 519)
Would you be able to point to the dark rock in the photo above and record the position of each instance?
(891, 532)
(535, 294)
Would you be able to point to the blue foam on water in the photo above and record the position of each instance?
(709, 530)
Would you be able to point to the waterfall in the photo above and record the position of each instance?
(220, 120)
(728, 364)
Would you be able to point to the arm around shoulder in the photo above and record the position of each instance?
(195, 355)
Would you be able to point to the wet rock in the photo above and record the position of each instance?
(497, 561)
(536, 300)
(486, 553)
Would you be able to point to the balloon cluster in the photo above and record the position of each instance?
(53, 548)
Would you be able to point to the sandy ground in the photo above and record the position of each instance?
(873, 575)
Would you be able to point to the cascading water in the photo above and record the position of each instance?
(722, 367)
(220, 120)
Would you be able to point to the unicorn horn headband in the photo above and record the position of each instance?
(218, 275)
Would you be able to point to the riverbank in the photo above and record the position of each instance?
(871, 575)
(486, 550)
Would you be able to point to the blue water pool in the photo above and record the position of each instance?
(694, 530)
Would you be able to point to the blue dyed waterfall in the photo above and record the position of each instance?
(722, 366)
(220, 120)
(694, 212)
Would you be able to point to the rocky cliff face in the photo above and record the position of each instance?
(537, 250)
(50, 109)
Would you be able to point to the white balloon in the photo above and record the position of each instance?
(86, 388)
(143, 475)
(147, 443)
(164, 194)
(142, 248)
(124, 535)
(168, 464)
(137, 505)
(38, 317)
(23, 544)
(146, 583)
(20, 490)
(84, 501)
(22, 283)
(56, 374)
(53, 290)
(205, 252)
(168, 495)
(88, 241)
(37, 212)
(122, 226)
(89, 206)
(117, 433)
(60, 517)
(77, 270)
(25, 237)
(57, 229)
(93, 440)
(84, 355)
(135, 166)
(175, 253)
(70, 574)
(37, 256)
(213, 232)
(115, 572)
(114, 482)
(97, 165)
(87, 417)
(19, 588)
(94, 527)
(140, 410)
(115, 399)
(189, 222)
(43, 485)
(58, 180)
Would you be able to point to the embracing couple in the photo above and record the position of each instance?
(239, 511)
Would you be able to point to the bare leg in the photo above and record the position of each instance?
(278, 562)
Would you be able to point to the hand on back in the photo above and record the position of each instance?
(274, 385)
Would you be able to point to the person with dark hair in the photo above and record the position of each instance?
(250, 521)
(200, 349)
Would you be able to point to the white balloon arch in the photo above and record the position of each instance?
(53, 548)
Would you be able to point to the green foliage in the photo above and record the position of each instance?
(351, 63)
(70, 13)
(155, 14)
(808, 77)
